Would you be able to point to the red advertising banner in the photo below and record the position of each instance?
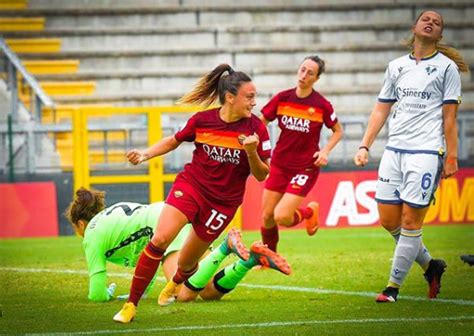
(347, 200)
(28, 210)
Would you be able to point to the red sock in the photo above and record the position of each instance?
(300, 214)
(181, 276)
(270, 237)
(146, 268)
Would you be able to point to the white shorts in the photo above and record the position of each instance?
(410, 178)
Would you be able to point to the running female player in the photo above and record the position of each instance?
(297, 158)
(230, 143)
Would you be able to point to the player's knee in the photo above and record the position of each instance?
(186, 297)
(186, 267)
(283, 218)
(267, 217)
(210, 292)
(390, 225)
(160, 241)
(411, 223)
(210, 297)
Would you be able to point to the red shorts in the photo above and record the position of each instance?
(208, 218)
(293, 181)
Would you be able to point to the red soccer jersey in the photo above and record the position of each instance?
(220, 167)
(300, 121)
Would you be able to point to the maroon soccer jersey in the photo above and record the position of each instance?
(220, 167)
(300, 121)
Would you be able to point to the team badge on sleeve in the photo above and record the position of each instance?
(266, 145)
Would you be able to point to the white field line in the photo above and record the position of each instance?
(262, 325)
(255, 286)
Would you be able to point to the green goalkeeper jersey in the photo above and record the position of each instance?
(118, 234)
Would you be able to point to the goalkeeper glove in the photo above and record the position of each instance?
(111, 289)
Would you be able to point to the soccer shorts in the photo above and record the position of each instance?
(298, 182)
(208, 218)
(410, 178)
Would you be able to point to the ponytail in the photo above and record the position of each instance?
(215, 84)
(454, 55)
(86, 205)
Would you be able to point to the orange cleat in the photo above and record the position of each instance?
(233, 243)
(267, 258)
(312, 223)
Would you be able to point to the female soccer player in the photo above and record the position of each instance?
(297, 158)
(427, 88)
(230, 143)
(117, 234)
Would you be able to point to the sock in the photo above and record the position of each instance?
(144, 271)
(207, 268)
(405, 253)
(180, 276)
(300, 214)
(423, 257)
(228, 278)
(270, 237)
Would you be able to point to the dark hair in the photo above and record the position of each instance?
(86, 205)
(319, 61)
(214, 85)
(446, 50)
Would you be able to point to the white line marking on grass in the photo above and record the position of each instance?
(365, 294)
(47, 270)
(263, 325)
(269, 287)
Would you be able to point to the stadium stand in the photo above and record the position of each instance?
(150, 52)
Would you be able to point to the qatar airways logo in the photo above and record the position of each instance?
(295, 124)
(222, 154)
(408, 92)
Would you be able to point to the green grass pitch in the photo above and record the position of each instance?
(336, 274)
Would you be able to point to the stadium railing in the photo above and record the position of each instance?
(13, 67)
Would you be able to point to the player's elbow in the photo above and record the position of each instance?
(261, 176)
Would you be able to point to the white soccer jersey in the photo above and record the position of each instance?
(420, 90)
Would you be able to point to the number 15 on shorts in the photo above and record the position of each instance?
(216, 220)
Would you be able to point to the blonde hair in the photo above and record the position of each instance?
(86, 205)
(215, 84)
(450, 52)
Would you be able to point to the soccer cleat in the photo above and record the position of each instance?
(433, 275)
(468, 259)
(233, 243)
(389, 294)
(312, 223)
(267, 258)
(126, 314)
(168, 294)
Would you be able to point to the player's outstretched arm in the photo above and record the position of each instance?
(98, 290)
(165, 145)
